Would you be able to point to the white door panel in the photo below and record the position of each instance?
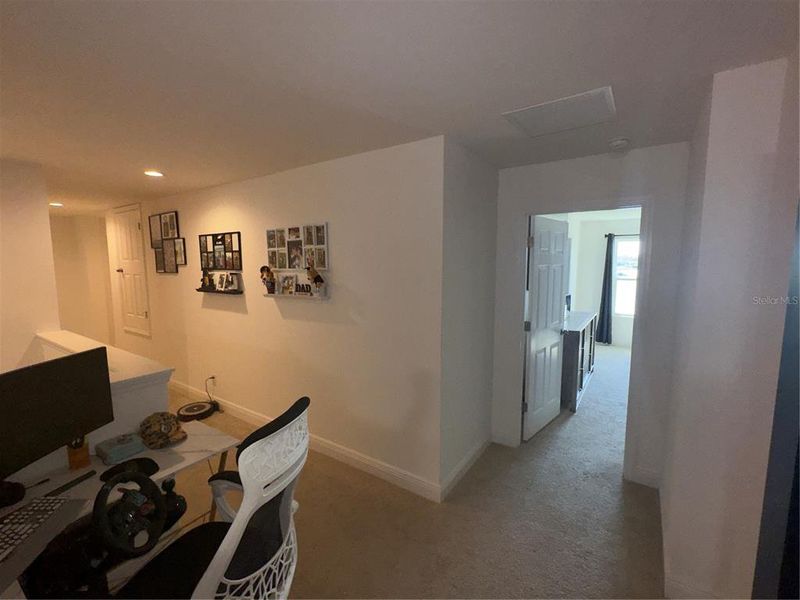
(130, 270)
(545, 312)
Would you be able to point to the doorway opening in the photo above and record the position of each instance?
(582, 279)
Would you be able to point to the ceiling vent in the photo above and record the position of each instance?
(572, 112)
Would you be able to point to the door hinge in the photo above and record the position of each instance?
(527, 326)
(524, 406)
(530, 241)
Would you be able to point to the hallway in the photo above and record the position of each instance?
(552, 518)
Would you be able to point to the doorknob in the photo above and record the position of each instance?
(120, 270)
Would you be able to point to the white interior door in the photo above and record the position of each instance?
(130, 269)
(544, 306)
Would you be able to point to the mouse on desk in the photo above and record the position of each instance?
(139, 465)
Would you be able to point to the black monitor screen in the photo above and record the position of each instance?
(45, 406)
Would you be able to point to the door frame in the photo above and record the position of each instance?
(642, 287)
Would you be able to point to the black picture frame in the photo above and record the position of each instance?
(221, 251)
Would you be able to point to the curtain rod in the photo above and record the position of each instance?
(623, 234)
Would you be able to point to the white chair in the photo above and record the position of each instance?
(252, 553)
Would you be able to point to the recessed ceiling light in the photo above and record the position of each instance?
(153, 173)
(57, 204)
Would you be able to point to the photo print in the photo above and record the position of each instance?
(272, 240)
(319, 235)
(159, 260)
(155, 231)
(321, 259)
(286, 284)
(170, 261)
(228, 243)
(308, 235)
(310, 258)
(169, 225)
(229, 260)
(272, 259)
(295, 251)
(180, 251)
(282, 261)
(237, 261)
(280, 235)
(219, 257)
(294, 233)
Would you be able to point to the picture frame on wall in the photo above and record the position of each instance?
(283, 263)
(280, 235)
(320, 235)
(272, 259)
(159, 254)
(272, 239)
(169, 225)
(308, 235)
(221, 251)
(155, 231)
(180, 251)
(294, 233)
(321, 259)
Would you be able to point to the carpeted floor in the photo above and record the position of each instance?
(550, 519)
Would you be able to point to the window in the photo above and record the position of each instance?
(626, 272)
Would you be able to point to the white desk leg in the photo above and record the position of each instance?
(223, 458)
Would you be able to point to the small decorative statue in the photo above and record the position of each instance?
(207, 282)
(268, 279)
(314, 277)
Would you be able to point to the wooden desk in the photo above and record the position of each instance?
(202, 443)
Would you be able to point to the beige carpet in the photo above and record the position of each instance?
(550, 519)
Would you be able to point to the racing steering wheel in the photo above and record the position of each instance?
(120, 524)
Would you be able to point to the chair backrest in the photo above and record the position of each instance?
(257, 558)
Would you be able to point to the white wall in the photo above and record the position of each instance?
(80, 254)
(370, 357)
(470, 218)
(589, 255)
(743, 203)
(652, 177)
(28, 292)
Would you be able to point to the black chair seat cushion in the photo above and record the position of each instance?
(177, 570)
(229, 476)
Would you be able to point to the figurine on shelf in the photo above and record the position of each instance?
(207, 282)
(314, 277)
(268, 279)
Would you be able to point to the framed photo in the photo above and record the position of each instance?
(170, 259)
(237, 261)
(221, 280)
(308, 235)
(310, 257)
(169, 225)
(321, 261)
(286, 284)
(229, 260)
(280, 236)
(320, 236)
(219, 257)
(209, 243)
(294, 233)
(272, 240)
(155, 231)
(228, 242)
(204, 260)
(180, 251)
(294, 250)
(282, 260)
(272, 259)
(159, 260)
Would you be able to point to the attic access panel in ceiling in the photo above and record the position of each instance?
(581, 110)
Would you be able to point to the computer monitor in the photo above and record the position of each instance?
(47, 405)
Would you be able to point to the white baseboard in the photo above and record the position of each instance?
(677, 588)
(642, 476)
(373, 466)
(464, 465)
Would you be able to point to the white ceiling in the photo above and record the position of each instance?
(211, 92)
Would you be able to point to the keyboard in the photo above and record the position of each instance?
(17, 526)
